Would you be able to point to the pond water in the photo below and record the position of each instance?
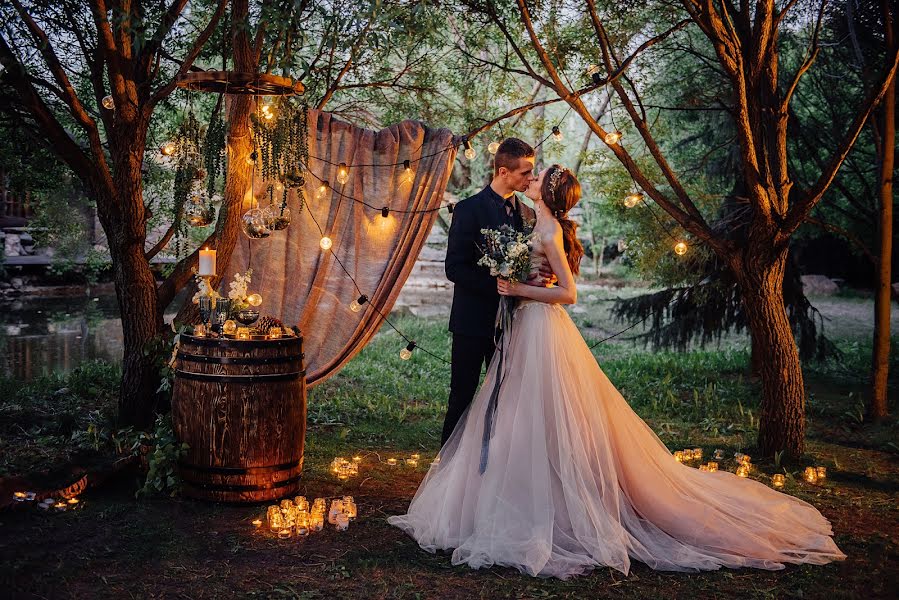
(44, 335)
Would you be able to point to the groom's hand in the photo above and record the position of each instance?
(543, 276)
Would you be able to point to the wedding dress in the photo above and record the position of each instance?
(574, 479)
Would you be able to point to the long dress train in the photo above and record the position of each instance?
(575, 479)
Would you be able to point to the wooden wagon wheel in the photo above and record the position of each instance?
(238, 82)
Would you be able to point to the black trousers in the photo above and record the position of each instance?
(469, 353)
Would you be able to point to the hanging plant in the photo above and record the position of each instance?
(214, 152)
(282, 143)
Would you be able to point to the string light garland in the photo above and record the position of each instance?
(356, 305)
(343, 173)
(406, 353)
(557, 133)
(492, 147)
(612, 137)
(632, 200)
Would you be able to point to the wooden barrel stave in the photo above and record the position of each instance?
(241, 406)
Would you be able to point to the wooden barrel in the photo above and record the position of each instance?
(241, 408)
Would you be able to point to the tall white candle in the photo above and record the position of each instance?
(207, 263)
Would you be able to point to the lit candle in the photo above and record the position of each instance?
(284, 533)
(415, 456)
(713, 466)
(73, 501)
(20, 496)
(274, 333)
(412, 462)
(391, 462)
(357, 459)
(275, 518)
(742, 471)
(810, 474)
(200, 330)
(821, 472)
(746, 459)
(703, 467)
(777, 480)
(60, 506)
(257, 523)
(687, 454)
(719, 454)
(336, 509)
(243, 333)
(697, 453)
(317, 522)
(207, 263)
(679, 455)
(342, 522)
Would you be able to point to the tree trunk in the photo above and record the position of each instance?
(877, 408)
(782, 418)
(135, 284)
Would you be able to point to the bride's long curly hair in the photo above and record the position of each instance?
(560, 199)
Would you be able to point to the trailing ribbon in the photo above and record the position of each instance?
(503, 325)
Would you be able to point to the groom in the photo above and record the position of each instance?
(475, 299)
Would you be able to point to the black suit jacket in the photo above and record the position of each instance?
(475, 299)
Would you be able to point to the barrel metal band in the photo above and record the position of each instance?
(240, 360)
(222, 487)
(240, 378)
(240, 470)
(242, 344)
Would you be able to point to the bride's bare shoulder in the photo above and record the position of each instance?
(549, 231)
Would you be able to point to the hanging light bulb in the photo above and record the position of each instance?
(343, 173)
(632, 200)
(385, 212)
(168, 148)
(356, 305)
(406, 353)
(493, 147)
(613, 137)
(557, 133)
(680, 248)
(408, 175)
(108, 102)
(326, 243)
(322, 189)
(251, 159)
(449, 207)
(469, 151)
(254, 224)
(593, 73)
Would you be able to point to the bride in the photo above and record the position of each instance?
(566, 477)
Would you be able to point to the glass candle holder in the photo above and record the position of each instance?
(20, 496)
(743, 471)
(746, 460)
(415, 456)
(718, 454)
(697, 453)
(342, 522)
(679, 456)
(317, 521)
(777, 480)
(703, 467)
(336, 509)
(284, 533)
(821, 473)
(810, 475)
(257, 523)
(713, 466)
(200, 330)
(274, 333)
(286, 504)
(357, 459)
(411, 462)
(391, 462)
(301, 503)
(349, 509)
(243, 333)
(275, 518)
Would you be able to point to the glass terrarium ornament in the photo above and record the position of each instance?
(277, 216)
(199, 214)
(254, 225)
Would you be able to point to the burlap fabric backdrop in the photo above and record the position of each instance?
(304, 285)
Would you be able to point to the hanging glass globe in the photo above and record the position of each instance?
(277, 217)
(199, 214)
(253, 224)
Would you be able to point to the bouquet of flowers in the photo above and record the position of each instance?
(507, 253)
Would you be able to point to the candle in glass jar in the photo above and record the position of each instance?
(200, 330)
(274, 333)
(20, 496)
(257, 523)
(342, 522)
(207, 263)
(679, 455)
(713, 466)
(697, 453)
(742, 471)
(336, 509)
(284, 533)
(777, 480)
(391, 461)
(719, 454)
(243, 333)
(821, 472)
(810, 474)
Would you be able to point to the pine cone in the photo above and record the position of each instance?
(267, 322)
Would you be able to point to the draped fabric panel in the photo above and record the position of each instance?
(300, 283)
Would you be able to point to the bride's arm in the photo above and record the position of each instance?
(566, 290)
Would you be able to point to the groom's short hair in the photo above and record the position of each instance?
(510, 152)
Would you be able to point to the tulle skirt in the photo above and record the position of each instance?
(575, 479)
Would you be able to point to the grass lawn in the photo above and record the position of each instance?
(380, 406)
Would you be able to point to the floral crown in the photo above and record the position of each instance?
(553, 184)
